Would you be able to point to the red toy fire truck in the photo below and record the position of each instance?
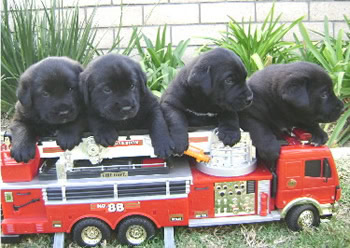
(92, 191)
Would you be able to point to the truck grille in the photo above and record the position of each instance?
(89, 192)
(54, 194)
(130, 190)
(178, 187)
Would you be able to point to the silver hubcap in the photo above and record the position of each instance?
(306, 218)
(136, 234)
(91, 235)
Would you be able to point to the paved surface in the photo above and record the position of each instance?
(341, 152)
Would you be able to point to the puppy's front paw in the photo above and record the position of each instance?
(163, 147)
(319, 138)
(106, 137)
(23, 152)
(67, 141)
(180, 143)
(229, 137)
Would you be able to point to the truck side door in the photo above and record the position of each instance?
(319, 180)
(290, 181)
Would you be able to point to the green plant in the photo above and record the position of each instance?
(160, 60)
(333, 54)
(261, 47)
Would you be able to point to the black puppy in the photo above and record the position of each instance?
(211, 89)
(117, 97)
(285, 96)
(48, 101)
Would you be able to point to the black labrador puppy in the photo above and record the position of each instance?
(117, 97)
(285, 96)
(48, 101)
(210, 90)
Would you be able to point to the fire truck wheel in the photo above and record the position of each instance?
(135, 230)
(91, 232)
(303, 216)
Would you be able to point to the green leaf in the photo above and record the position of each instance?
(312, 48)
(338, 128)
(257, 60)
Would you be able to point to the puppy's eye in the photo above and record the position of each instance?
(132, 86)
(45, 93)
(229, 81)
(70, 89)
(107, 90)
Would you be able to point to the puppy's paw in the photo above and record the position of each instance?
(229, 137)
(23, 152)
(163, 147)
(106, 137)
(180, 144)
(67, 141)
(319, 138)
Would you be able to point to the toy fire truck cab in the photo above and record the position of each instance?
(92, 191)
(308, 185)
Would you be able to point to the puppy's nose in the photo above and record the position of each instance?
(249, 100)
(340, 106)
(64, 112)
(127, 108)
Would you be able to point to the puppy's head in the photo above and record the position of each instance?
(221, 76)
(50, 89)
(112, 85)
(308, 91)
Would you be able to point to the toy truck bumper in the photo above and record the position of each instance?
(328, 209)
(10, 239)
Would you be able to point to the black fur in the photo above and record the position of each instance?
(117, 98)
(213, 83)
(285, 96)
(48, 101)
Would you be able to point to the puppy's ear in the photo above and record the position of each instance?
(23, 92)
(294, 92)
(84, 86)
(200, 78)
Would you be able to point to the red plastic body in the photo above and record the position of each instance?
(11, 171)
(202, 191)
(264, 204)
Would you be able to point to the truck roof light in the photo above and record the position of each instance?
(302, 135)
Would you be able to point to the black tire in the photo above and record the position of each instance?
(91, 232)
(303, 216)
(135, 230)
